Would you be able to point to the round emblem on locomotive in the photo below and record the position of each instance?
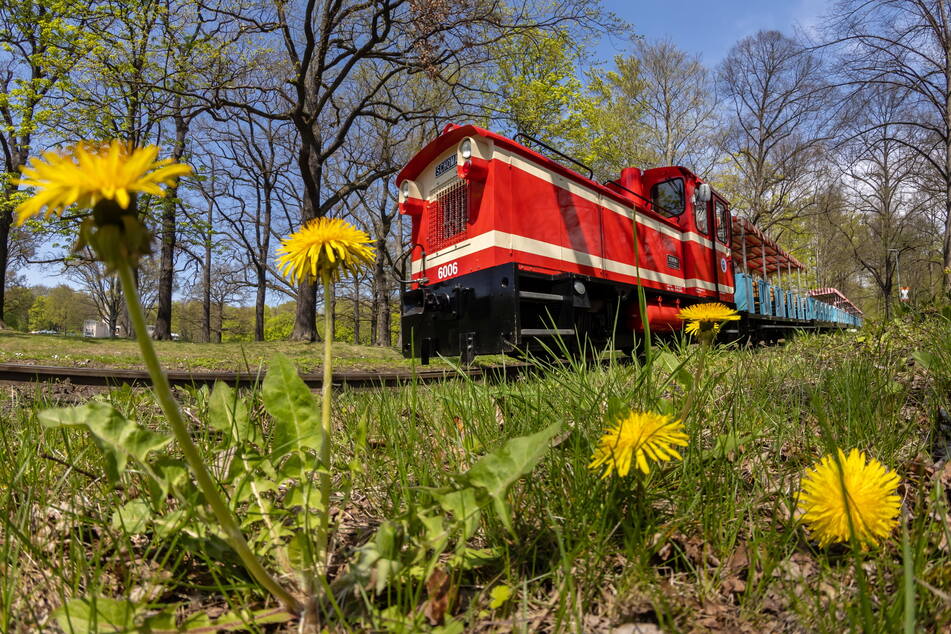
(723, 264)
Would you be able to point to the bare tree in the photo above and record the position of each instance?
(679, 104)
(225, 284)
(906, 45)
(259, 153)
(781, 109)
(880, 184)
(104, 288)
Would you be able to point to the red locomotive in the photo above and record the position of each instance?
(511, 248)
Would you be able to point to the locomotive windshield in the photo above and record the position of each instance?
(668, 197)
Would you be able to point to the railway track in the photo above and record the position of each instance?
(111, 377)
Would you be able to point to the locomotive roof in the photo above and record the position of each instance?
(454, 133)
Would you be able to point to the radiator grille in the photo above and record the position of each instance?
(449, 213)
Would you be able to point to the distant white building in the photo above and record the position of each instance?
(95, 329)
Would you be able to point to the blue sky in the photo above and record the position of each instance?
(709, 28)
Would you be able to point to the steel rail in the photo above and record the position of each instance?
(18, 373)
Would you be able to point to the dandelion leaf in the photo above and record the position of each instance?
(240, 621)
(927, 360)
(464, 507)
(495, 472)
(132, 517)
(88, 616)
(171, 477)
(228, 413)
(376, 562)
(289, 401)
(115, 435)
(675, 368)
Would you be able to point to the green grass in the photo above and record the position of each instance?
(54, 350)
(709, 542)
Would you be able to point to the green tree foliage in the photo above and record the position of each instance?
(539, 92)
(237, 324)
(40, 314)
(613, 112)
(279, 322)
(62, 309)
(17, 310)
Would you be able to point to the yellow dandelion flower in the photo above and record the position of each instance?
(639, 435)
(704, 317)
(86, 173)
(321, 248)
(868, 488)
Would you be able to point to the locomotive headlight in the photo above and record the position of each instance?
(465, 148)
(579, 287)
(408, 191)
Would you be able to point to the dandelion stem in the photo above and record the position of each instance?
(207, 485)
(697, 378)
(325, 392)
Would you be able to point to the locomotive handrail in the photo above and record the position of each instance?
(522, 135)
(402, 262)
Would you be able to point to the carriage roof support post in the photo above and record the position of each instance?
(743, 242)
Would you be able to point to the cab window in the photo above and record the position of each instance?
(668, 197)
(723, 222)
(702, 217)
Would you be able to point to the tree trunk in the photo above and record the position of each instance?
(264, 242)
(946, 245)
(944, 38)
(305, 319)
(219, 321)
(374, 309)
(383, 319)
(125, 319)
(259, 298)
(163, 314)
(356, 310)
(206, 285)
(381, 297)
(6, 221)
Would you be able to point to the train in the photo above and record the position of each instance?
(514, 249)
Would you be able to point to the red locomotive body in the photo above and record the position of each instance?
(511, 247)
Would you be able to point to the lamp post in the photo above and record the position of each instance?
(897, 272)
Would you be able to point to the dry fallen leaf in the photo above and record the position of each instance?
(637, 628)
(798, 566)
(440, 591)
